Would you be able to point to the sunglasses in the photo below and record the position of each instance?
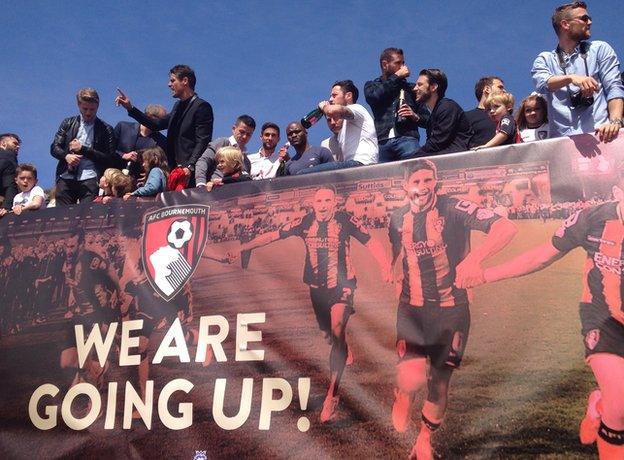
(584, 18)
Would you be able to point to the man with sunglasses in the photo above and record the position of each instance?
(580, 79)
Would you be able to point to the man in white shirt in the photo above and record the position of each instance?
(357, 137)
(265, 162)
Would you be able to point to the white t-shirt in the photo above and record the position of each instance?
(263, 167)
(25, 198)
(535, 134)
(358, 138)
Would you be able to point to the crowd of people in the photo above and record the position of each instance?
(578, 89)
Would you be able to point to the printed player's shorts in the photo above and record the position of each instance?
(439, 333)
(602, 333)
(323, 299)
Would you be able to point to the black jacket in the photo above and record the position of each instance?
(383, 98)
(8, 188)
(194, 130)
(102, 153)
(448, 130)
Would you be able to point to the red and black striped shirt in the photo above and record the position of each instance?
(433, 242)
(600, 232)
(328, 253)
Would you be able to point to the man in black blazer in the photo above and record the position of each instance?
(84, 146)
(189, 125)
(133, 138)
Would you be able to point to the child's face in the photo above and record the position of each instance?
(497, 111)
(225, 166)
(534, 114)
(104, 183)
(25, 181)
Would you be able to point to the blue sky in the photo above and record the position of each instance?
(271, 59)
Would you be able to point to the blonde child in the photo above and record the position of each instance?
(532, 119)
(105, 184)
(500, 109)
(230, 162)
(156, 169)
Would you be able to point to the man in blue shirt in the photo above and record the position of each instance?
(580, 79)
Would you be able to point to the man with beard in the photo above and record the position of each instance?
(397, 127)
(329, 273)
(580, 79)
(448, 129)
(432, 235)
(9, 148)
(306, 156)
(265, 163)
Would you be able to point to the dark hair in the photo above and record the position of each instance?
(436, 76)
(419, 164)
(330, 187)
(270, 124)
(482, 83)
(347, 86)
(387, 54)
(521, 117)
(181, 71)
(13, 135)
(562, 11)
(247, 120)
(26, 167)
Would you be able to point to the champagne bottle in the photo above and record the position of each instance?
(281, 169)
(401, 101)
(311, 118)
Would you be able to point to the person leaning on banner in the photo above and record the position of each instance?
(397, 132)
(189, 125)
(265, 162)
(448, 129)
(580, 79)
(357, 138)
(84, 146)
(306, 156)
(9, 147)
(331, 143)
(206, 169)
(483, 127)
(132, 138)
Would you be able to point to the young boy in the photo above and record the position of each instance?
(500, 109)
(230, 162)
(31, 197)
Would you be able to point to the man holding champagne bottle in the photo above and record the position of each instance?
(397, 114)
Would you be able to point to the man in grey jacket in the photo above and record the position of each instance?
(206, 167)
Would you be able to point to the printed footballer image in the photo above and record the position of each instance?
(384, 291)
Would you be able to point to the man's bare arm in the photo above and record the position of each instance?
(531, 261)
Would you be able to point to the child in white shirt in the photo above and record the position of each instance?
(31, 197)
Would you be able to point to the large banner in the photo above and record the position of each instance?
(319, 316)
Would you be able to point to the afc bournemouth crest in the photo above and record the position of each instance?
(174, 239)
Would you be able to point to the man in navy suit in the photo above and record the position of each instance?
(189, 125)
(133, 137)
